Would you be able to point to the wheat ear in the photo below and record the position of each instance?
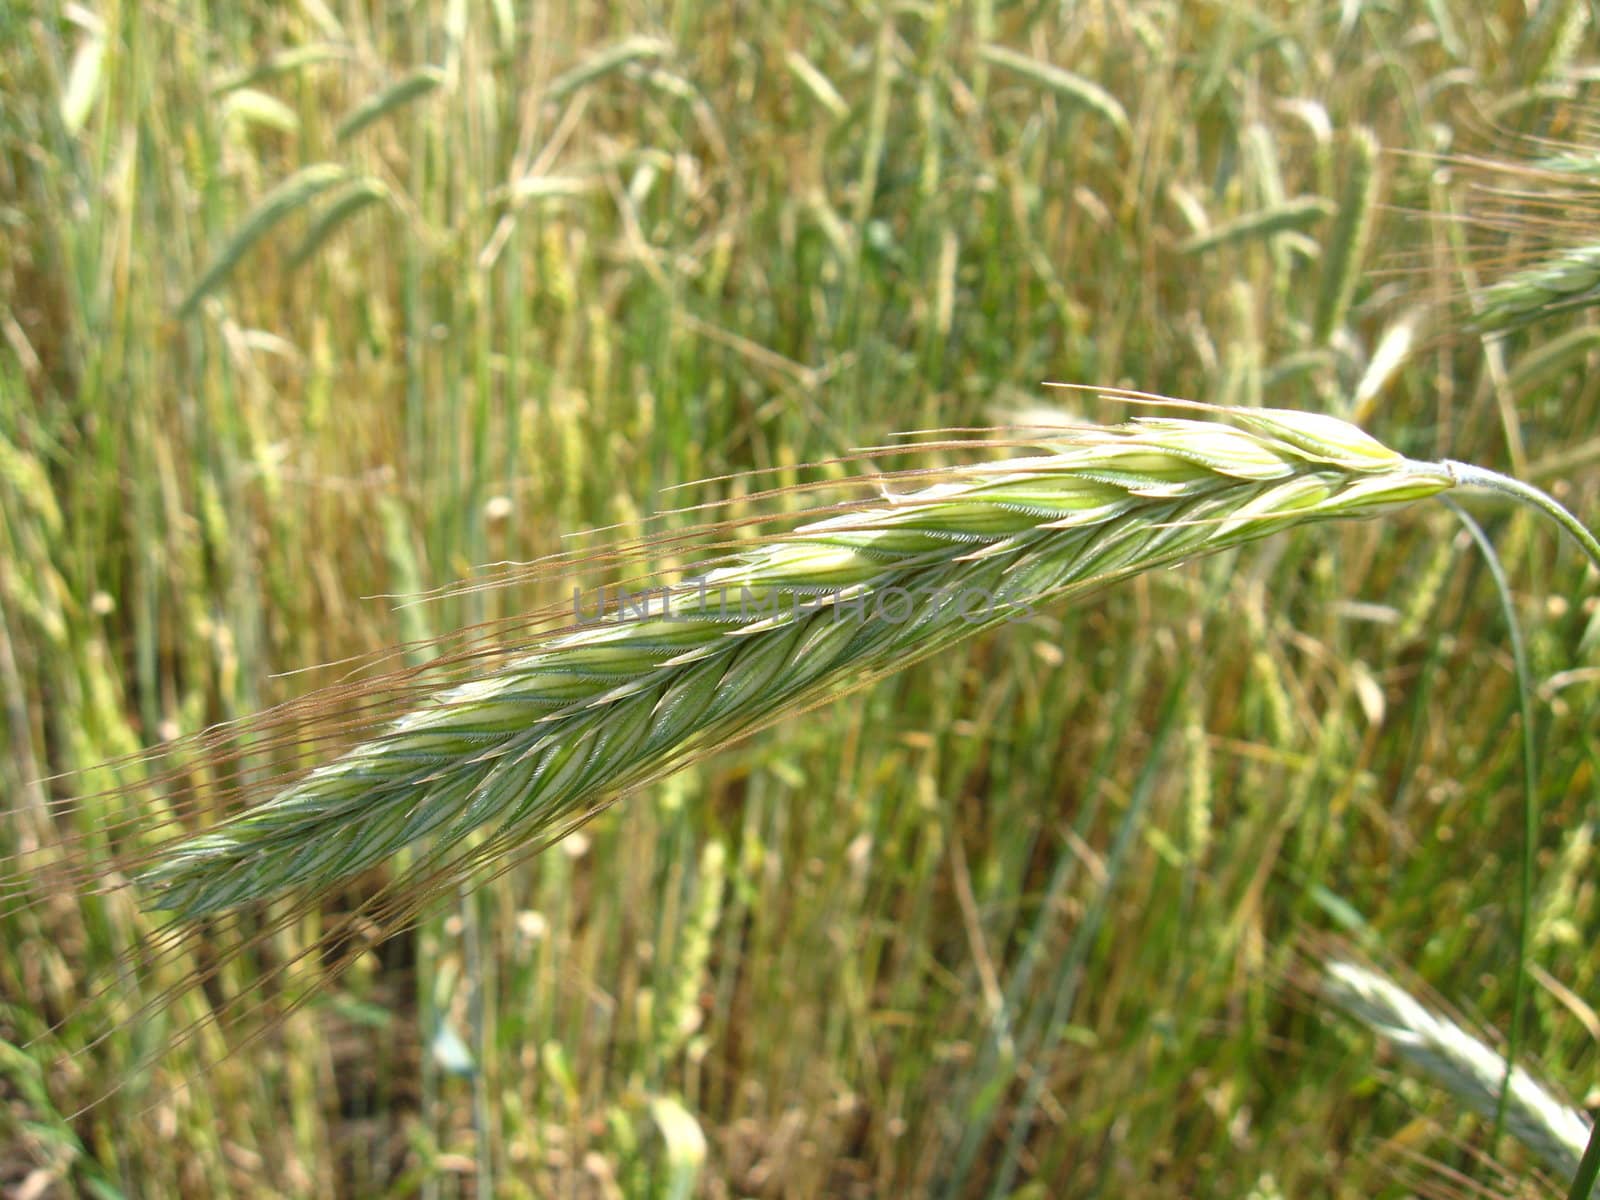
(500, 761)
(1460, 1063)
(1568, 279)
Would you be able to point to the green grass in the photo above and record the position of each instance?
(1024, 920)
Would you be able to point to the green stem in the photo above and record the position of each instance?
(1530, 814)
(1588, 1169)
(1467, 475)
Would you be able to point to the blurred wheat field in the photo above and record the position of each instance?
(309, 306)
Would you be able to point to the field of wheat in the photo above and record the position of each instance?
(1198, 799)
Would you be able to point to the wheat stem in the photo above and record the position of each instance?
(1467, 475)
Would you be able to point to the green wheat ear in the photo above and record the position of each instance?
(508, 760)
(1568, 280)
(1544, 204)
(1347, 246)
